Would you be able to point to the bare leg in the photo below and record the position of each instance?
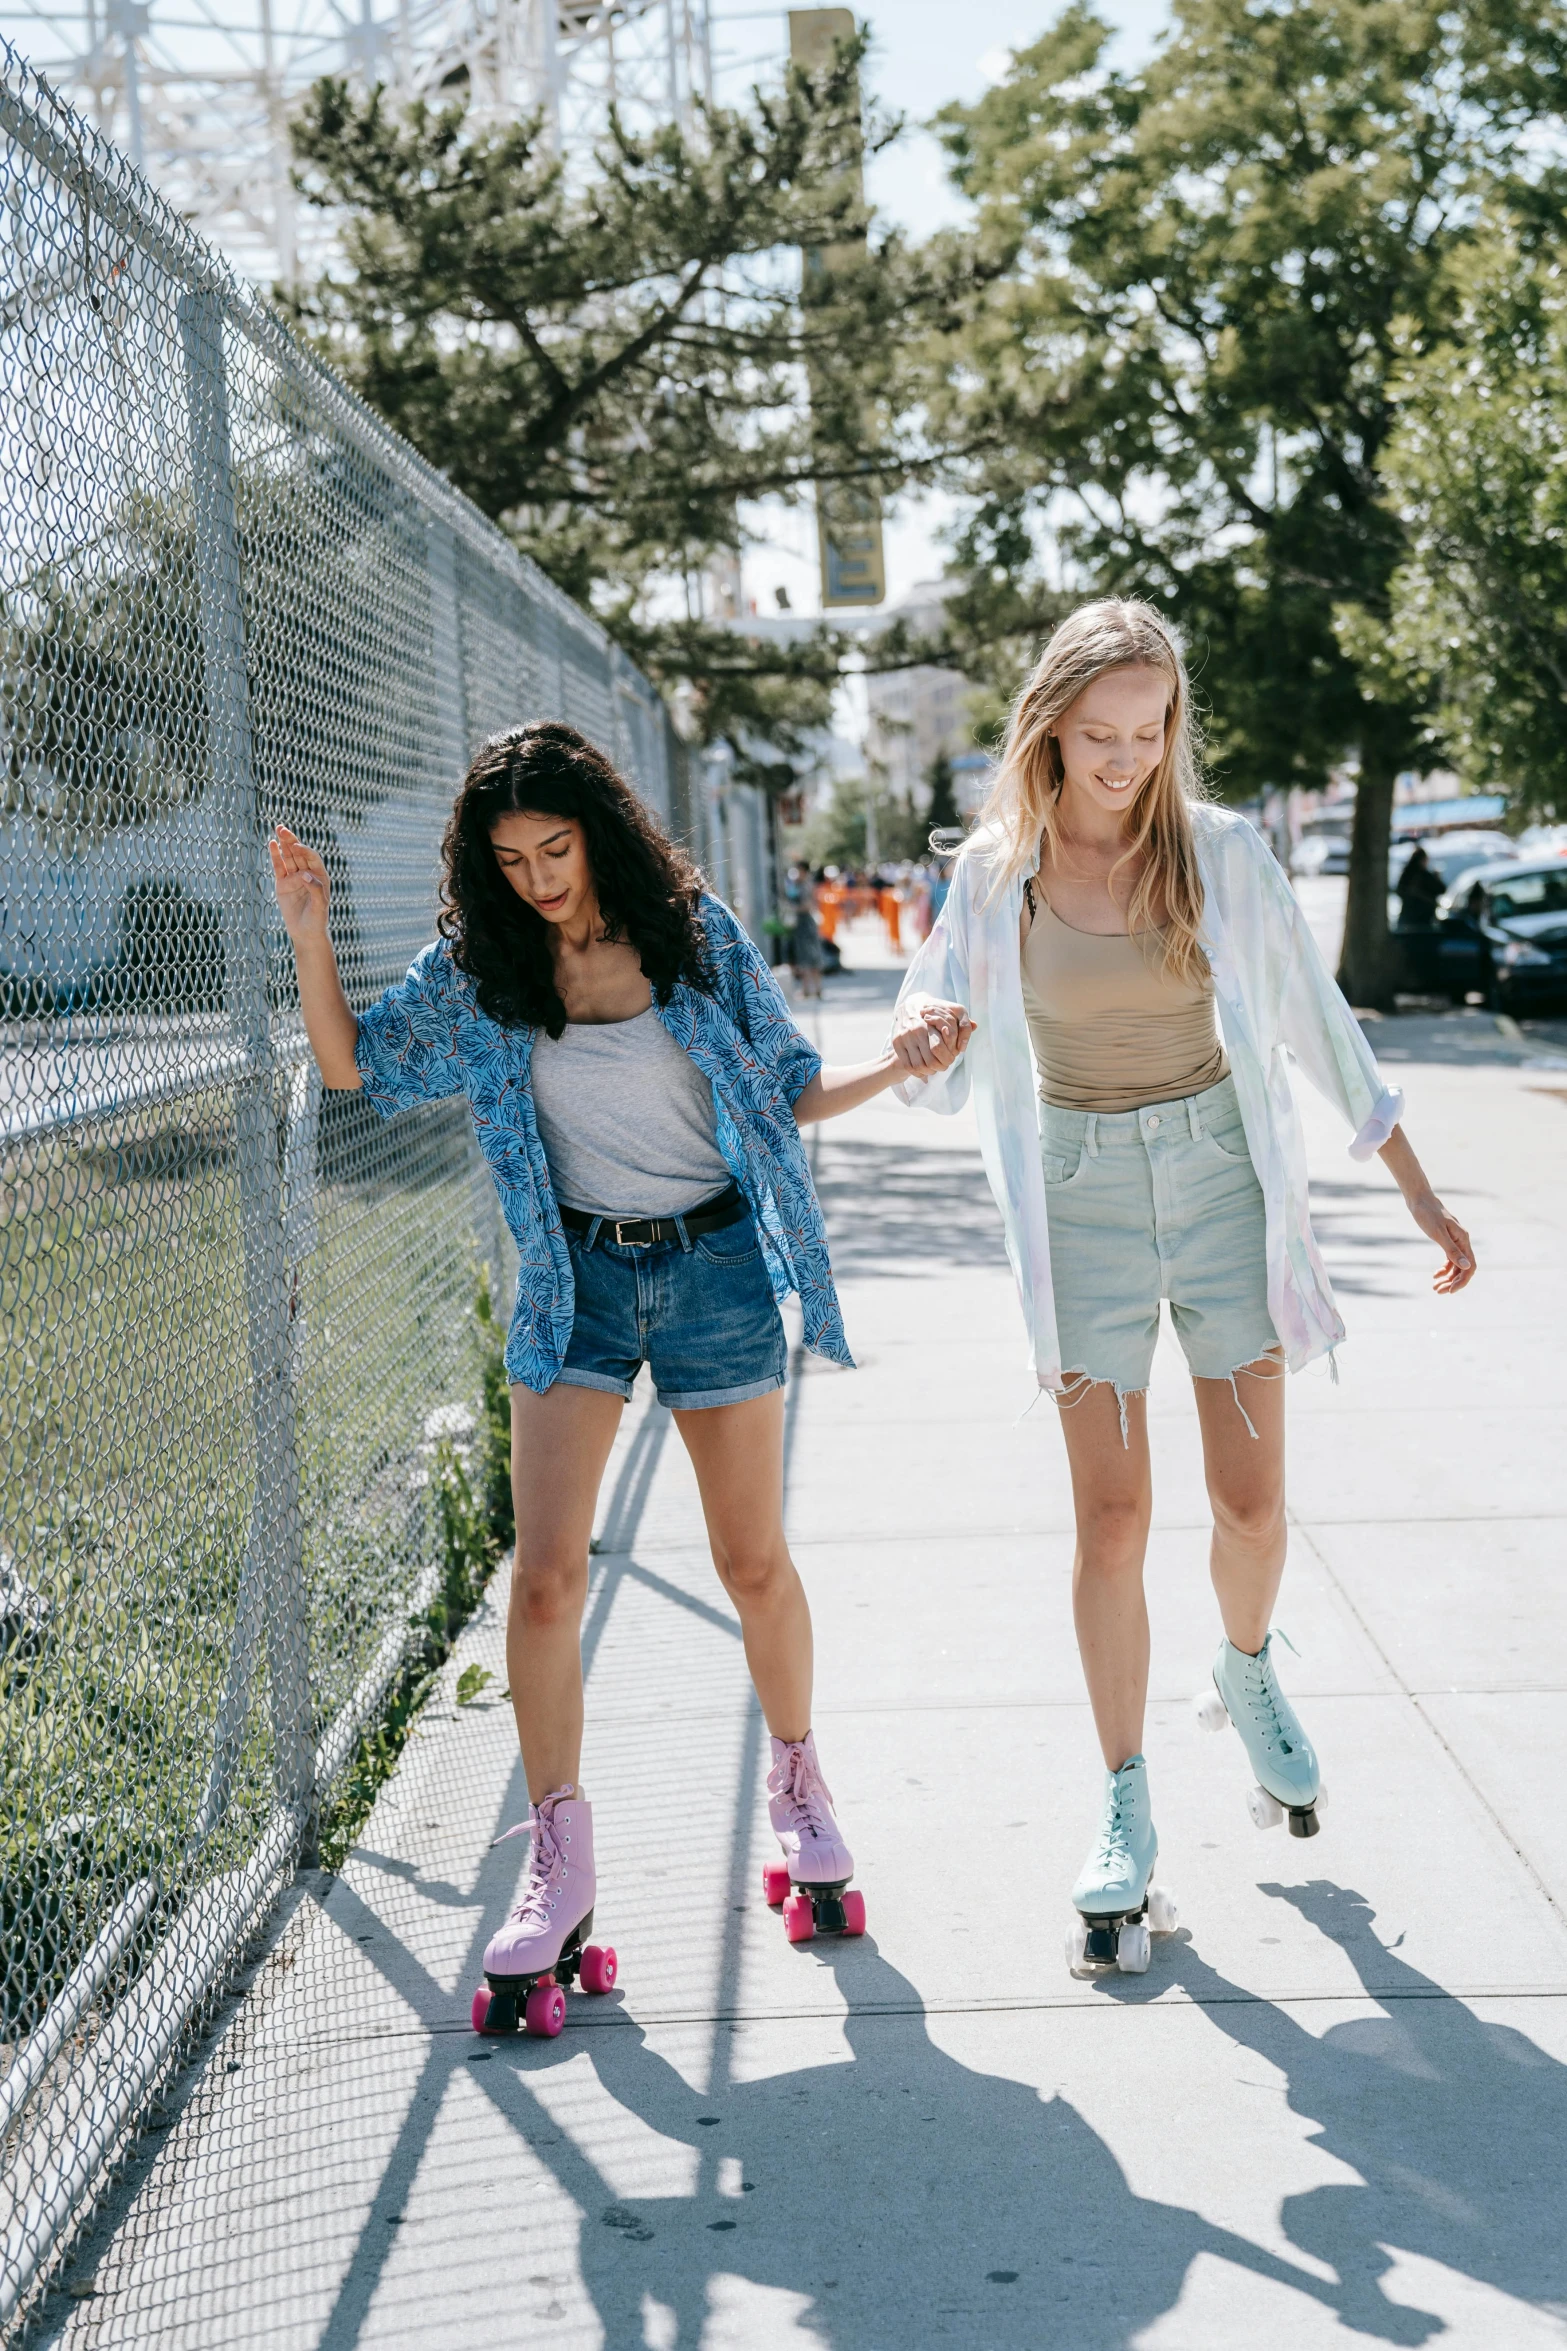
(560, 1442)
(737, 1453)
(1112, 1498)
(1246, 1489)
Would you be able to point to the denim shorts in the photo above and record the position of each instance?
(701, 1314)
(1149, 1204)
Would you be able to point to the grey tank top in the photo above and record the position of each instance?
(626, 1119)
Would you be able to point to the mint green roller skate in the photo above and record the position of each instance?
(1246, 1693)
(1117, 1906)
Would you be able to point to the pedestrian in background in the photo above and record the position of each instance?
(1140, 1150)
(805, 945)
(1419, 887)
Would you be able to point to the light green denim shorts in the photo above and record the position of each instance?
(1148, 1204)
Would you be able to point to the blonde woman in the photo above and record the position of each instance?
(1138, 969)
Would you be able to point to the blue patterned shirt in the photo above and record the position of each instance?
(428, 1038)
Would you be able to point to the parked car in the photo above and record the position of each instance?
(1500, 930)
(1321, 851)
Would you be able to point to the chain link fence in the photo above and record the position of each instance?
(235, 1309)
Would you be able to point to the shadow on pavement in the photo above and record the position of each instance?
(906, 1209)
(869, 2192)
(1468, 1039)
(904, 2181)
(1455, 2127)
(1367, 1256)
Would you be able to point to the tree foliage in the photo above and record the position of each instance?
(1207, 274)
(611, 362)
(1477, 471)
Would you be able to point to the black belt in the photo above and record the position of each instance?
(641, 1232)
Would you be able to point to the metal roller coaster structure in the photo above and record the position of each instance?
(199, 92)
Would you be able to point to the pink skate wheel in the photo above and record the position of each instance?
(799, 1918)
(598, 1968)
(481, 2007)
(545, 2011)
(775, 1883)
(854, 1912)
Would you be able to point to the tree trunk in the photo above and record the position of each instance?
(1367, 967)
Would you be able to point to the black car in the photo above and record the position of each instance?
(1502, 932)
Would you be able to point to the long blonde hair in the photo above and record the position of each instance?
(1022, 812)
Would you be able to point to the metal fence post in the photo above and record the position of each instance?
(274, 1556)
(449, 759)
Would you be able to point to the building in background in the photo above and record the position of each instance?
(917, 716)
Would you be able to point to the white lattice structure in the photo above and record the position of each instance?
(199, 92)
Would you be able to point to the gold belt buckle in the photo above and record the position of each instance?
(620, 1239)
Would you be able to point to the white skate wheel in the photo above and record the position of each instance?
(1266, 1811)
(1132, 1947)
(1077, 1949)
(1211, 1711)
(1163, 1917)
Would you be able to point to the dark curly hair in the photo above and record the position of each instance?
(648, 889)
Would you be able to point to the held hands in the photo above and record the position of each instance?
(930, 1035)
(303, 890)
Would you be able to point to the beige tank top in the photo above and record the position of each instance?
(1111, 1030)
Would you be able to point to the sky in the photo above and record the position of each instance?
(925, 53)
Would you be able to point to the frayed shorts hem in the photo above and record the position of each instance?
(1075, 1385)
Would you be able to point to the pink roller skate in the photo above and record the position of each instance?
(812, 1880)
(532, 1959)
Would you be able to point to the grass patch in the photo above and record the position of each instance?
(470, 1492)
(127, 1485)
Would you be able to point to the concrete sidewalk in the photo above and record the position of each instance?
(1336, 2106)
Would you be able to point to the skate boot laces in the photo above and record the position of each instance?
(1267, 1701)
(798, 1782)
(546, 1863)
(1115, 1847)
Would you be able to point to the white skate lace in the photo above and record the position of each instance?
(545, 1862)
(794, 1778)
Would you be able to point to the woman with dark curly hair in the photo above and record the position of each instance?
(638, 1087)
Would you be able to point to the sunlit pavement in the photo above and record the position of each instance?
(1333, 2109)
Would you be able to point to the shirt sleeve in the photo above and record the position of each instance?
(940, 969)
(1323, 1034)
(405, 1048)
(756, 1004)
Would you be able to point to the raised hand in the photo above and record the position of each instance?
(930, 1035)
(303, 890)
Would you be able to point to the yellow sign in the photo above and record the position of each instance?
(848, 534)
(814, 33)
(848, 518)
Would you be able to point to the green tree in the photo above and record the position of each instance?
(1477, 471)
(838, 834)
(1184, 367)
(610, 361)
